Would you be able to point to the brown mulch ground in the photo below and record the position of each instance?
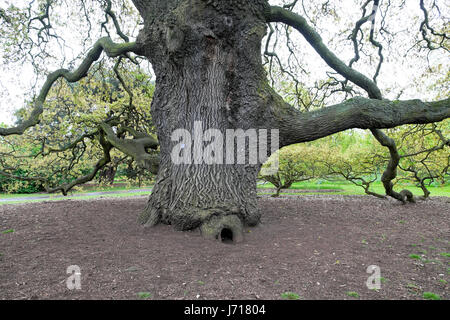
(291, 191)
(316, 246)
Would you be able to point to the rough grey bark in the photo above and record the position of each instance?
(207, 60)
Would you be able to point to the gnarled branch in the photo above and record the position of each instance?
(135, 148)
(367, 118)
(104, 44)
(358, 112)
(106, 146)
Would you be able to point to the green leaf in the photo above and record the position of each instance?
(353, 294)
(431, 296)
(144, 295)
(290, 296)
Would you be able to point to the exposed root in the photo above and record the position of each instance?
(407, 196)
(227, 229)
(150, 217)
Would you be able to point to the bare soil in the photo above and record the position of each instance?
(291, 191)
(317, 246)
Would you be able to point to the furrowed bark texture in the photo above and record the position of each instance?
(207, 60)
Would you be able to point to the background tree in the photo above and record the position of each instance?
(360, 162)
(60, 149)
(206, 56)
(296, 163)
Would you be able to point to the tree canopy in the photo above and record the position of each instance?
(325, 62)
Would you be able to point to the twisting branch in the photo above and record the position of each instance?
(391, 170)
(70, 145)
(91, 135)
(106, 146)
(135, 148)
(374, 42)
(425, 27)
(65, 188)
(356, 31)
(421, 176)
(16, 177)
(420, 180)
(46, 25)
(356, 178)
(104, 44)
(110, 13)
(278, 14)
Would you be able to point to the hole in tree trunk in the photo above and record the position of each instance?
(226, 229)
(226, 235)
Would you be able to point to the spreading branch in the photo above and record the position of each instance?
(104, 44)
(373, 114)
(135, 148)
(106, 147)
(358, 112)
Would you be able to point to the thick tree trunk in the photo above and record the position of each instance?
(207, 60)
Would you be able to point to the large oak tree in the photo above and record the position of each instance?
(206, 55)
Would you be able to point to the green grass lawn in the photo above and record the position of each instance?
(76, 190)
(351, 189)
(348, 189)
(76, 194)
(55, 198)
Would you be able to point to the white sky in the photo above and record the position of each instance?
(397, 72)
